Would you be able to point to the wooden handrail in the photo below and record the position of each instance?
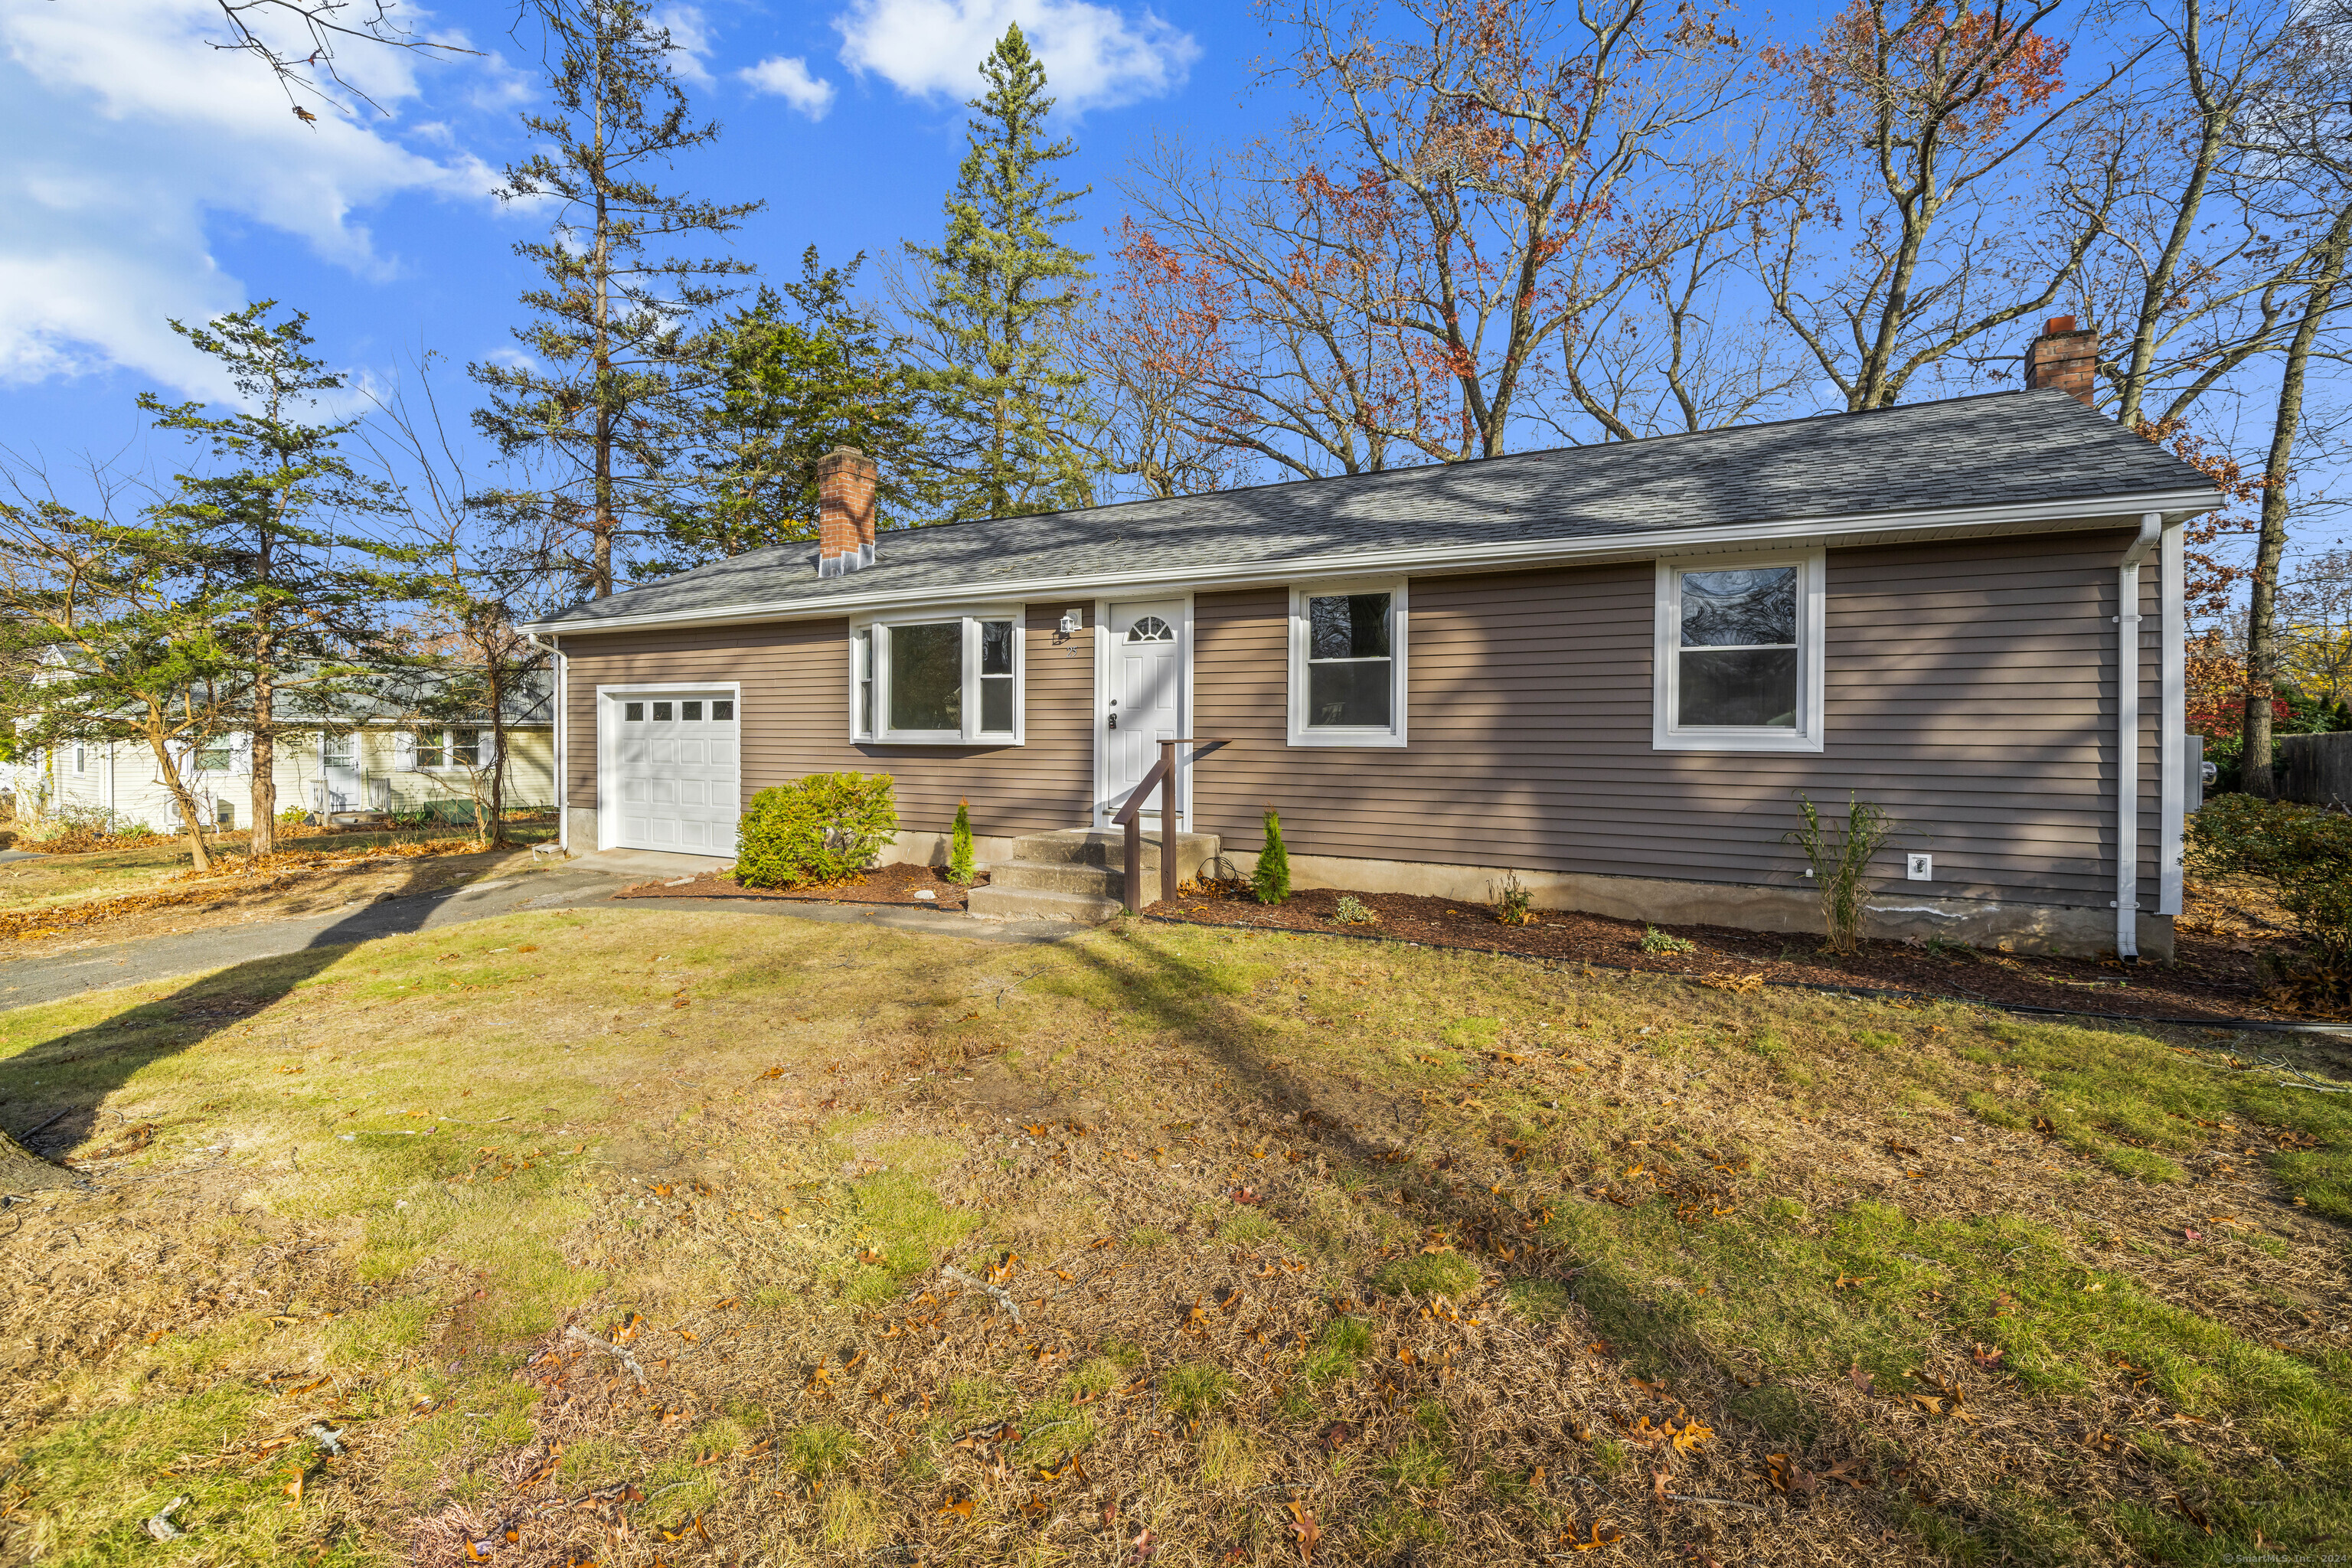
(1163, 774)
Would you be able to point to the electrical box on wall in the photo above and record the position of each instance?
(1919, 867)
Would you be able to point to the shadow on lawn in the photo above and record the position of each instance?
(1641, 1329)
(85, 1066)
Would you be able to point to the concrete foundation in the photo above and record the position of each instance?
(2072, 931)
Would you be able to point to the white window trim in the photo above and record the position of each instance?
(447, 747)
(970, 734)
(1665, 735)
(1393, 734)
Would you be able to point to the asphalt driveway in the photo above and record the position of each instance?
(27, 982)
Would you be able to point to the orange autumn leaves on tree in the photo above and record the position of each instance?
(1928, 73)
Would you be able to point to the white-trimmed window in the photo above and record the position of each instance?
(214, 754)
(936, 680)
(1347, 664)
(439, 749)
(1738, 656)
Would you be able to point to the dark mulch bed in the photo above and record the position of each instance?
(2211, 979)
(883, 885)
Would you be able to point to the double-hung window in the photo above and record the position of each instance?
(937, 680)
(214, 755)
(1347, 664)
(1738, 654)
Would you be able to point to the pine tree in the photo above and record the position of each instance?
(1002, 293)
(960, 861)
(604, 404)
(1271, 880)
(301, 618)
(800, 371)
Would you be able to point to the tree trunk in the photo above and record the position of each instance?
(2262, 608)
(498, 834)
(263, 840)
(169, 772)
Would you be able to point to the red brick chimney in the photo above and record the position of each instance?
(2065, 357)
(844, 512)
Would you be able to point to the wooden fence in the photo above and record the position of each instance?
(2316, 769)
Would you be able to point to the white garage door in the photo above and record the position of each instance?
(674, 759)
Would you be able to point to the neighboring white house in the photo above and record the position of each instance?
(376, 761)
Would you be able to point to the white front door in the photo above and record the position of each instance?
(674, 780)
(339, 767)
(1143, 698)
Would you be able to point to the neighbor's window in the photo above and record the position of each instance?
(335, 751)
(937, 682)
(82, 759)
(1347, 664)
(213, 756)
(1738, 653)
(465, 747)
(432, 752)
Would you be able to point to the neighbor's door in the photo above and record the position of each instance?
(339, 768)
(1143, 700)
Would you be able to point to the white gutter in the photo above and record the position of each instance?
(2151, 530)
(563, 817)
(2175, 738)
(2106, 510)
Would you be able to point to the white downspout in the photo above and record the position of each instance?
(2175, 635)
(563, 815)
(2151, 530)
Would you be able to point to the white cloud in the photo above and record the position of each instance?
(1095, 56)
(126, 135)
(691, 41)
(788, 78)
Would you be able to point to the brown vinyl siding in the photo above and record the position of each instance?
(1970, 691)
(795, 718)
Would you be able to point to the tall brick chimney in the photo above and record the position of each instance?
(844, 512)
(2065, 357)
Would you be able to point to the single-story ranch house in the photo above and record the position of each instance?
(378, 758)
(1609, 669)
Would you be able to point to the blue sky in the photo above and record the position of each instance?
(150, 176)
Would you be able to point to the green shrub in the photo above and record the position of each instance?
(1351, 911)
(2303, 851)
(1271, 881)
(1659, 943)
(822, 828)
(1840, 862)
(959, 846)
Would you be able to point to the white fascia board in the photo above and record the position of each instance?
(1418, 561)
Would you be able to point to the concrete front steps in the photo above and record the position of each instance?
(1077, 874)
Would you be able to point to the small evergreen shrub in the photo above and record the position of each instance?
(960, 847)
(1271, 880)
(822, 828)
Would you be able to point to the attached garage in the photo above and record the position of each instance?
(673, 756)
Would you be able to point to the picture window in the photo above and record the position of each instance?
(937, 682)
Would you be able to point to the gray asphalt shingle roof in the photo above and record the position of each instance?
(2002, 448)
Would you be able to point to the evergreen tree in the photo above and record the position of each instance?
(798, 372)
(604, 404)
(1002, 293)
(300, 618)
(108, 632)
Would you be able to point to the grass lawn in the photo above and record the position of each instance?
(634, 1236)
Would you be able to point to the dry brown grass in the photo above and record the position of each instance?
(1392, 1256)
